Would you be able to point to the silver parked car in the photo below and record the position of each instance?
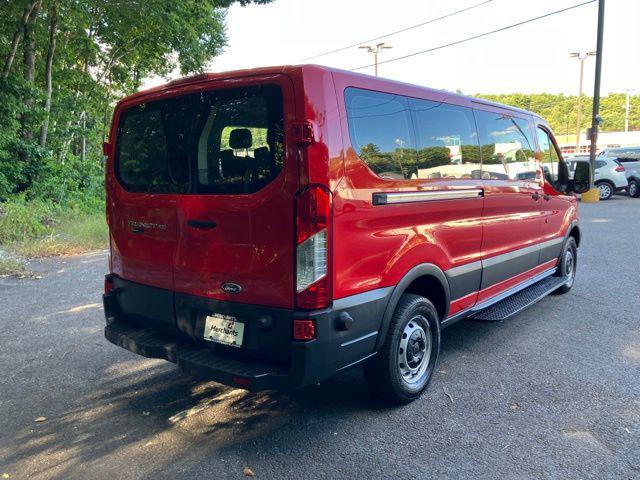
(629, 157)
(610, 175)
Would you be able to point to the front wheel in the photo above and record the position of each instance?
(634, 188)
(405, 363)
(567, 265)
(605, 190)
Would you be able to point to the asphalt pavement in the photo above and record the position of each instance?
(551, 393)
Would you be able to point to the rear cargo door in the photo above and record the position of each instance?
(142, 192)
(235, 229)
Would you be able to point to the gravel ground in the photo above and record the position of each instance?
(551, 393)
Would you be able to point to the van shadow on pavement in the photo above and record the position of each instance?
(149, 408)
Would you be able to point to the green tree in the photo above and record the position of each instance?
(65, 62)
(561, 110)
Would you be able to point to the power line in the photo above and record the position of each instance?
(457, 42)
(398, 31)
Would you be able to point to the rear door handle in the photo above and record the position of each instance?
(536, 196)
(202, 224)
(547, 197)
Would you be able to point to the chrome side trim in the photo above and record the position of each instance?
(359, 339)
(358, 361)
(425, 196)
(507, 293)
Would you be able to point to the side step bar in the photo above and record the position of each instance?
(519, 301)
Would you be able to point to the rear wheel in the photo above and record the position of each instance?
(606, 190)
(634, 188)
(567, 265)
(405, 363)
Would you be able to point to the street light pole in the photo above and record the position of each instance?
(375, 50)
(581, 58)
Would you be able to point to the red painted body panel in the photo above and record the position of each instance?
(252, 244)
(376, 246)
(371, 246)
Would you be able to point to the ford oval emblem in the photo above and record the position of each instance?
(231, 287)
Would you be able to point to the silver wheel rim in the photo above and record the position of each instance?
(414, 350)
(632, 189)
(605, 190)
(569, 267)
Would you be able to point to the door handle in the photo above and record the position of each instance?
(547, 197)
(202, 224)
(535, 196)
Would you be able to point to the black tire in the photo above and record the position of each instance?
(634, 188)
(389, 373)
(567, 265)
(606, 189)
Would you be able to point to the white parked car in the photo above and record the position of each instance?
(610, 174)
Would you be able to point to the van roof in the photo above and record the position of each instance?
(204, 77)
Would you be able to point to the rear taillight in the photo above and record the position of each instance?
(620, 168)
(313, 212)
(108, 284)
(304, 330)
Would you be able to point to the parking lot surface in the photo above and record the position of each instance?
(551, 393)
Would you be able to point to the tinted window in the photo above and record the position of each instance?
(507, 147)
(600, 163)
(550, 158)
(223, 141)
(380, 132)
(143, 162)
(447, 143)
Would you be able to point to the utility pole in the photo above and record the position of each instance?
(375, 50)
(626, 111)
(581, 57)
(593, 194)
(595, 116)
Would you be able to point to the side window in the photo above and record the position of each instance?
(380, 132)
(550, 158)
(508, 151)
(447, 142)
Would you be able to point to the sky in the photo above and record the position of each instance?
(531, 58)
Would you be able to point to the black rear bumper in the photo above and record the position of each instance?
(245, 373)
(158, 323)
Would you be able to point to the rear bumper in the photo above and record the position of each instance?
(157, 323)
(244, 373)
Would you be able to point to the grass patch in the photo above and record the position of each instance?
(12, 266)
(72, 234)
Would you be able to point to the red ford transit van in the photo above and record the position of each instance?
(271, 227)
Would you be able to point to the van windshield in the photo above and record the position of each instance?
(227, 141)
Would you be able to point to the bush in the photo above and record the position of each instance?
(21, 220)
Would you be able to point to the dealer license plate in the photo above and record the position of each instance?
(223, 329)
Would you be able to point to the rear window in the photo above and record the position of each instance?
(227, 141)
(625, 154)
(380, 129)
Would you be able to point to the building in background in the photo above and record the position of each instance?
(567, 143)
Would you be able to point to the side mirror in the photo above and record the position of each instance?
(563, 177)
(581, 177)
